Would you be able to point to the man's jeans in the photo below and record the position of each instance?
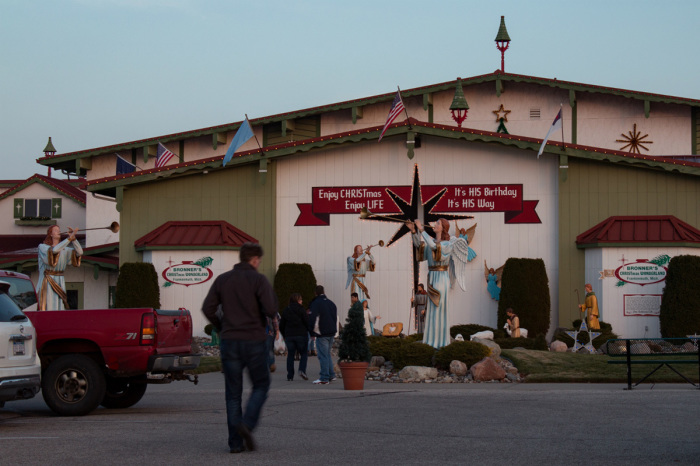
(323, 347)
(295, 344)
(235, 356)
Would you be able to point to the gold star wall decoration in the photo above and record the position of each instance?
(501, 113)
(634, 140)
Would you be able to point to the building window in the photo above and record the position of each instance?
(37, 209)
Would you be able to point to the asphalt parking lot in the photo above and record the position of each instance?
(487, 423)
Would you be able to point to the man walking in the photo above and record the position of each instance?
(324, 323)
(246, 298)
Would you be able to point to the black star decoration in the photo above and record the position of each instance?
(415, 210)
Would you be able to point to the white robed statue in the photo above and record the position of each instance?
(359, 264)
(54, 257)
(447, 259)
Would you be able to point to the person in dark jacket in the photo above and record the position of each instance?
(246, 298)
(323, 321)
(294, 327)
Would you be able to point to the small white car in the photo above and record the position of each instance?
(20, 368)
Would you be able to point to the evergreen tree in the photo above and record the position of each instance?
(294, 278)
(679, 314)
(525, 288)
(137, 286)
(353, 339)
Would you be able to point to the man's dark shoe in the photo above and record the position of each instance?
(303, 375)
(237, 450)
(247, 436)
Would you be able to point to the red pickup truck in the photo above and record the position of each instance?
(108, 356)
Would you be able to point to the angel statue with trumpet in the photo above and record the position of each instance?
(54, 257)
(447, 259)
(359, 264)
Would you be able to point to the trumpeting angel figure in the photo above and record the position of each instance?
(447, 258)
(493, 280)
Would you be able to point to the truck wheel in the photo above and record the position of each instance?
(124, 393)
(73, 385)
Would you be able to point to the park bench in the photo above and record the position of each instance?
(657, 351)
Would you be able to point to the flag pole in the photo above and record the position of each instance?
(404, 109)
(255, 135)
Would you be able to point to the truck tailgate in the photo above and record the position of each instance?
(173, 331)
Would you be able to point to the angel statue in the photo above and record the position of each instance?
(447, 260)
(493, 280)
(358, 265)
(468, 235)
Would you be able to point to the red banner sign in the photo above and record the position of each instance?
(507, 198)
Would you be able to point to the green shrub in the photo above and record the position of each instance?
(537, 343)
(606, 333)
(468, 352)
(294, 278)
(525, 288)
(383, 346)
(679, 314)
(413, 354)
(137, 286)
(467, 330)
(353, 339)
(414, 337)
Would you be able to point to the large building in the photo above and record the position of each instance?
(621, 156)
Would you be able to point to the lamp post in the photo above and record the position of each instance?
(459, 107)
(502, 42)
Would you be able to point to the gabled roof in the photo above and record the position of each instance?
(643, 230)
(67, 160)
(60, 186)
(107, 185)
(194, 235)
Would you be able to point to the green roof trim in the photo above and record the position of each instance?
(67, 161)
(110, 185)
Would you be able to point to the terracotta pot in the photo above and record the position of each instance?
(353, 374)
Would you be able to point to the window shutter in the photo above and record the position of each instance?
(56, 207)
(19, 208)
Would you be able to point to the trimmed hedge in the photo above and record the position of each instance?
(383, 346)
(414, 353)
(137, 286)
(294, 278)
(468, 352)
(606, 333)
(537, 343)
(679, 314)
(525, 288)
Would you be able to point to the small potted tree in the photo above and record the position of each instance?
(354, 351)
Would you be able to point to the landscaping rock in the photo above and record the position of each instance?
(558, 346)
(418, 372)
(377, 361)
(487, 369)
(493, 346)
(458, 368)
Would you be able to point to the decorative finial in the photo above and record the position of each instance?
(502, 42)
(49, 150)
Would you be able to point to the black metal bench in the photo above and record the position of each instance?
(658, 351)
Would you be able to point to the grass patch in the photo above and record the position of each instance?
(552, 367)
(207, 364)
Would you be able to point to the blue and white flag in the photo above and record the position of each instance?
(244, 133)
(124, 167)
(556, 124)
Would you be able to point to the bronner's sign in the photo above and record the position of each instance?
(641, 273)
(188, 273)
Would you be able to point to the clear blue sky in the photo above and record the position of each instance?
(91, 73)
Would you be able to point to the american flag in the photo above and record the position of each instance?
(396, 108)
(164, 156)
